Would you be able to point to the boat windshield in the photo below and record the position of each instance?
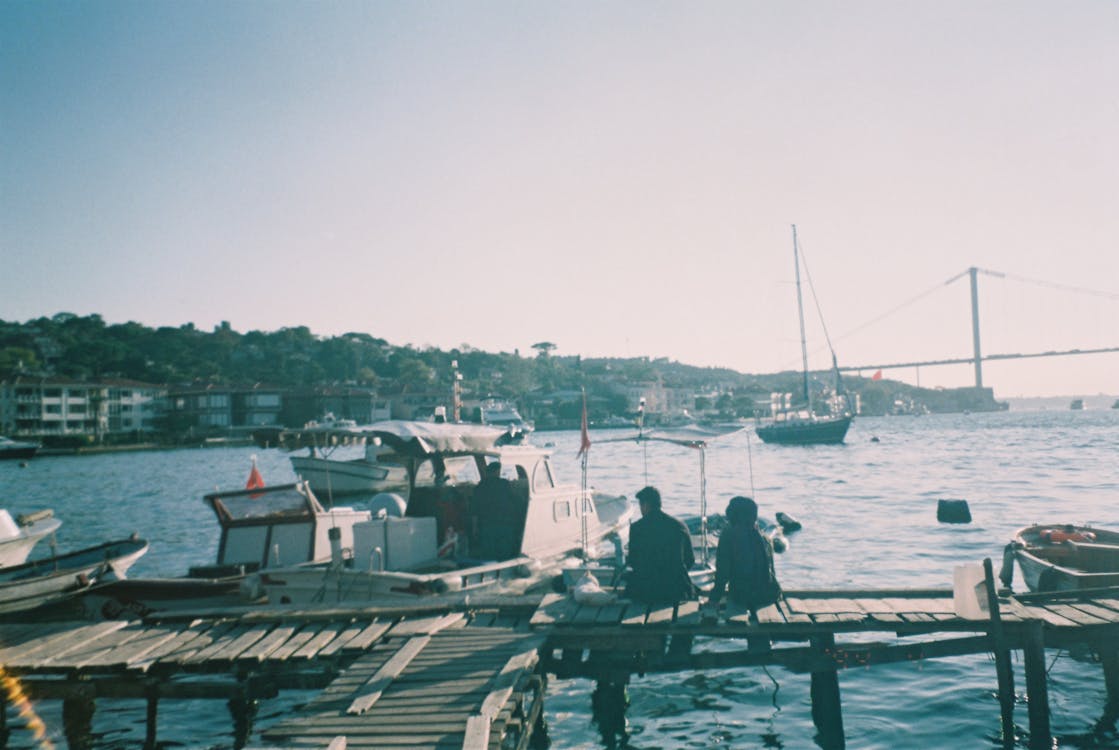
(287, 504)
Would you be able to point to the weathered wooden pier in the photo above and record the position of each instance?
(473, 675)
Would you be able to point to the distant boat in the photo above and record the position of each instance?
(1066, 557)
(800, 424)
(499, 413)
(1077, 404)
(17, 448)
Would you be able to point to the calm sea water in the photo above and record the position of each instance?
(869, 515)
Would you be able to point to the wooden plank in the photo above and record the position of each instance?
(293, 644)
(79, 640)
(584, 615)
(660, 615)
(687, 613)
(234, 637)
(143, 662)
(555, 609)
(325, 637)
(483, 619)
(611, 614)
(260, 650)
(367, 637)
(426, 625)
(771, 615)
(384, 676)
(1038, 612)
(1103, 613)
(152, 638)
(1076, 615)
(104, 645)
(636, 612)
(194, 645)
(477, 735)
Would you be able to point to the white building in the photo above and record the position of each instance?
(63, 406)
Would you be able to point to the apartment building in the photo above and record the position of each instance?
(64, 406)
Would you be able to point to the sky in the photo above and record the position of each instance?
(618, 178)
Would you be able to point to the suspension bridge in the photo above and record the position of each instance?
(978, 357)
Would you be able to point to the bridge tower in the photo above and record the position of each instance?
(973, 272)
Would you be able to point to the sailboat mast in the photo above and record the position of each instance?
(800, 312)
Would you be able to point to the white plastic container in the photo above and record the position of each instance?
(969, 592)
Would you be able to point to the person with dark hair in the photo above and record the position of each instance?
(744, 560)
(660, 554)
(494, 506)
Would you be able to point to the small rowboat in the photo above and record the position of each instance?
(1066, 557)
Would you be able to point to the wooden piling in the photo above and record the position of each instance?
(1037, 688)
(77, 722)
(827, 709)
(152, 718)
(1109, 659)
(1003, 669)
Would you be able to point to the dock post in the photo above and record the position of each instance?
(1037, 688)
(152, 722)
(243, 708)
(608, 707)
(1109, 658)
(827, 710)
(1003, 668)
(4, 731)
(77, 721)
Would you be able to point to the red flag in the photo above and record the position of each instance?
(584, 436)
(877, 375)
(256, 481)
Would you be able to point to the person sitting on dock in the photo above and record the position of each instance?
(660, 554)
(744, 561)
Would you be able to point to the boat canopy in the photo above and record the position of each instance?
(690, 436)
(402, 436)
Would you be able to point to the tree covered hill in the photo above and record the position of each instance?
(85, 347)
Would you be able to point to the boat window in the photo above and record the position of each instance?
(462, 470)
(542, 476)
(287, 503)
(292, 542)
(244, 545)
(425, 474)
(561, 509)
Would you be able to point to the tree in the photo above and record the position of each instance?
(544, 348)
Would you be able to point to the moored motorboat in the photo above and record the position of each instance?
(1065, 557)
(17, 448)
(19, 536)
(452, 533)
(261, 528)
(50, 580)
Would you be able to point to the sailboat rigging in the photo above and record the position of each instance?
(799, 424)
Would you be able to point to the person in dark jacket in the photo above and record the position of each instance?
(660, 554)
(744, 561)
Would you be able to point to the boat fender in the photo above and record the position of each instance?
(952, 511)
(26, 519)
(788, 523)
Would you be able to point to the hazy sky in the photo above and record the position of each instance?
(615, 177)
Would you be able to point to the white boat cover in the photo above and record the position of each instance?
(405, 436)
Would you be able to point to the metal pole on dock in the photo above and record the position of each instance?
(1002, 657)
(1109, 658)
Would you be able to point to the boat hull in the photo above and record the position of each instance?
(827, 431)
(328, 477)
(1071, 559)
(19, 451)
(16, 549)
(53, 579)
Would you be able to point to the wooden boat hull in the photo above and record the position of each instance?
(824, 431)
(1071, 559)
(53, 579)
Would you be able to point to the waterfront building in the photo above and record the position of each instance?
(53, 406)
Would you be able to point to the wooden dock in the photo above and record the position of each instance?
(476, 672)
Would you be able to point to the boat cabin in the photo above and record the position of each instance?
(277, 526)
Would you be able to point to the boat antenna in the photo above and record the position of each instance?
(800, 313)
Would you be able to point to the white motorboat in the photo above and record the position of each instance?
(499, 413)
(19, 536)
(376, 470)
(261, 528)
(17, 448)
(446, 536)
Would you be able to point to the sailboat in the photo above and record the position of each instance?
(799, 424)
